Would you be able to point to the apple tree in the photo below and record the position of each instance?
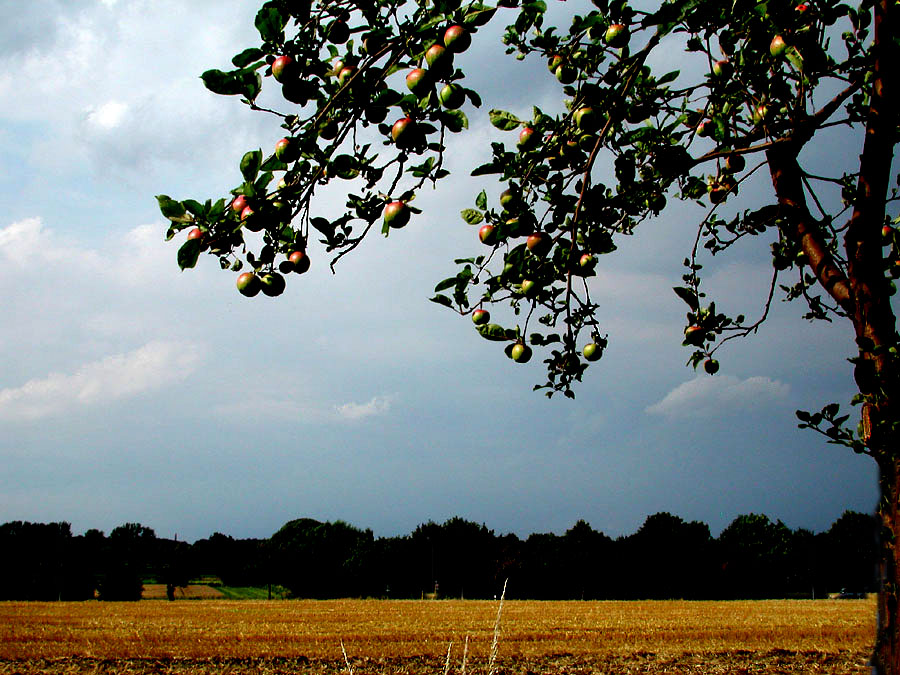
(370, 97)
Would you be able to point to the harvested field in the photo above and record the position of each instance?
(412, 637)
(189, 592)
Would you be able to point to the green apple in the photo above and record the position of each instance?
(511, 199)
(777, 46)
(735, 163)
(694, 335)
(565, 73)
(396, 214)
(528, 286)
(722, 69)
(345, 74)
(521, 353)
(248, 284)
(480, 317)
(338, 32)
(587, 261)
(452, 96)
(711, 366)
(592, 351)
(527, 138)
(328, 129)
(587, 120)
(272, 284)
(617, 35)
(555, 62)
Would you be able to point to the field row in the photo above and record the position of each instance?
(381, 629)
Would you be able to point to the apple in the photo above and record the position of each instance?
(300, 261)
(887, 233)
(338, 32)
(587, 120)
(457, 39)
(272, 284)
(520, 352)
(711, 366)
(802, 7)
(527, 138)
(539, 243)
(587, 261)
(718, 193)
(239, 203)
(694, 335)
(345, 74)
(439, 58)
(487, 234)
(248, 284)
(656, 202)
(246, 212)
(403, 132)
(328, 130)
(418, 82)
(735, 163)
(555, 62)
(396, 214)
(565, 73)
(480, 317)
(705, 128)
(196, 233)
(616, 35)
(510, 199)
(376, 114)
(282, 68)
(592, 351)
(777, 46)
(760, 113)
(722, 69)
(287, 150)
(452, 96)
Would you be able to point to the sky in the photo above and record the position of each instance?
(133, 392)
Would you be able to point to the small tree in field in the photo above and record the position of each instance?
(372, 97)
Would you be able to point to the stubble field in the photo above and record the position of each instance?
(413, 637)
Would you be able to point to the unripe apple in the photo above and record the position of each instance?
(510, 199)
(528, 286)
(617, 35)
(521, 353)
(239, 203)
(735, 163)
(488, 234)
(480, 317)
(565, 73)
(396, 214)
(555, 62)
(539, 243)
(527, 138)
(282, 68)
(722, 69)
(439, 58)
(711, 366)
(300, 261)
(345, 73)
(418, 82)
(587, 261)
(328, 130)
(338, 32)
(287, 150)
(656, 202)
(760, 113)
(587, 120)
(457, 39)
(592, 351)
(694, 335)
(777, 46)
(705, 128)
(248, 284)
(272, 284)
(452, 96)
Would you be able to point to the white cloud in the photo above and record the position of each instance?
(101, 382)
(705, 395)
(108, 115)
(377, 405)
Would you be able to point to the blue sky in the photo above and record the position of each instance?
(131, 391)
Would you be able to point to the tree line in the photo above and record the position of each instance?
(666, 557)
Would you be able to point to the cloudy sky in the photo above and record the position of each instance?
(133, 392)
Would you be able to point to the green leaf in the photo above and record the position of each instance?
(194, 207)
(251, 84)
(250, 165)
(442, 300)
(492, 331)
(505, 121)
(479, 17)
(688, 296)
(481, 200)
(219, 82)
(345, 166)
(486, 169)
(188, 253)
(668, 77)
(445, 284)
(270, 23)
(248, 56)
(173, 210)
(455, 120)
(472, 216)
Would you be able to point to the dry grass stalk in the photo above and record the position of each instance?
(447, 662)
(346, 660)
(495, 643)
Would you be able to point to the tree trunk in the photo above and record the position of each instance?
(886, 658)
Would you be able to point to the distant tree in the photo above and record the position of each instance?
(37, 562)
(130, 553)
(851, 553)
(237, 562)
(754, 554)
(460, 555)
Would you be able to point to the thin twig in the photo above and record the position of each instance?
(465, 654)
(447, 662)
(346, 660)
(496, 641)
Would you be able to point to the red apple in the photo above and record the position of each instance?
(487, 234)
(396, 214)
(616, 35)
(248, 284)
(457, 39)
(418, 81)
(239, 203)
(539, 243)
(300, 261)
(480, 317)
(282, 68)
